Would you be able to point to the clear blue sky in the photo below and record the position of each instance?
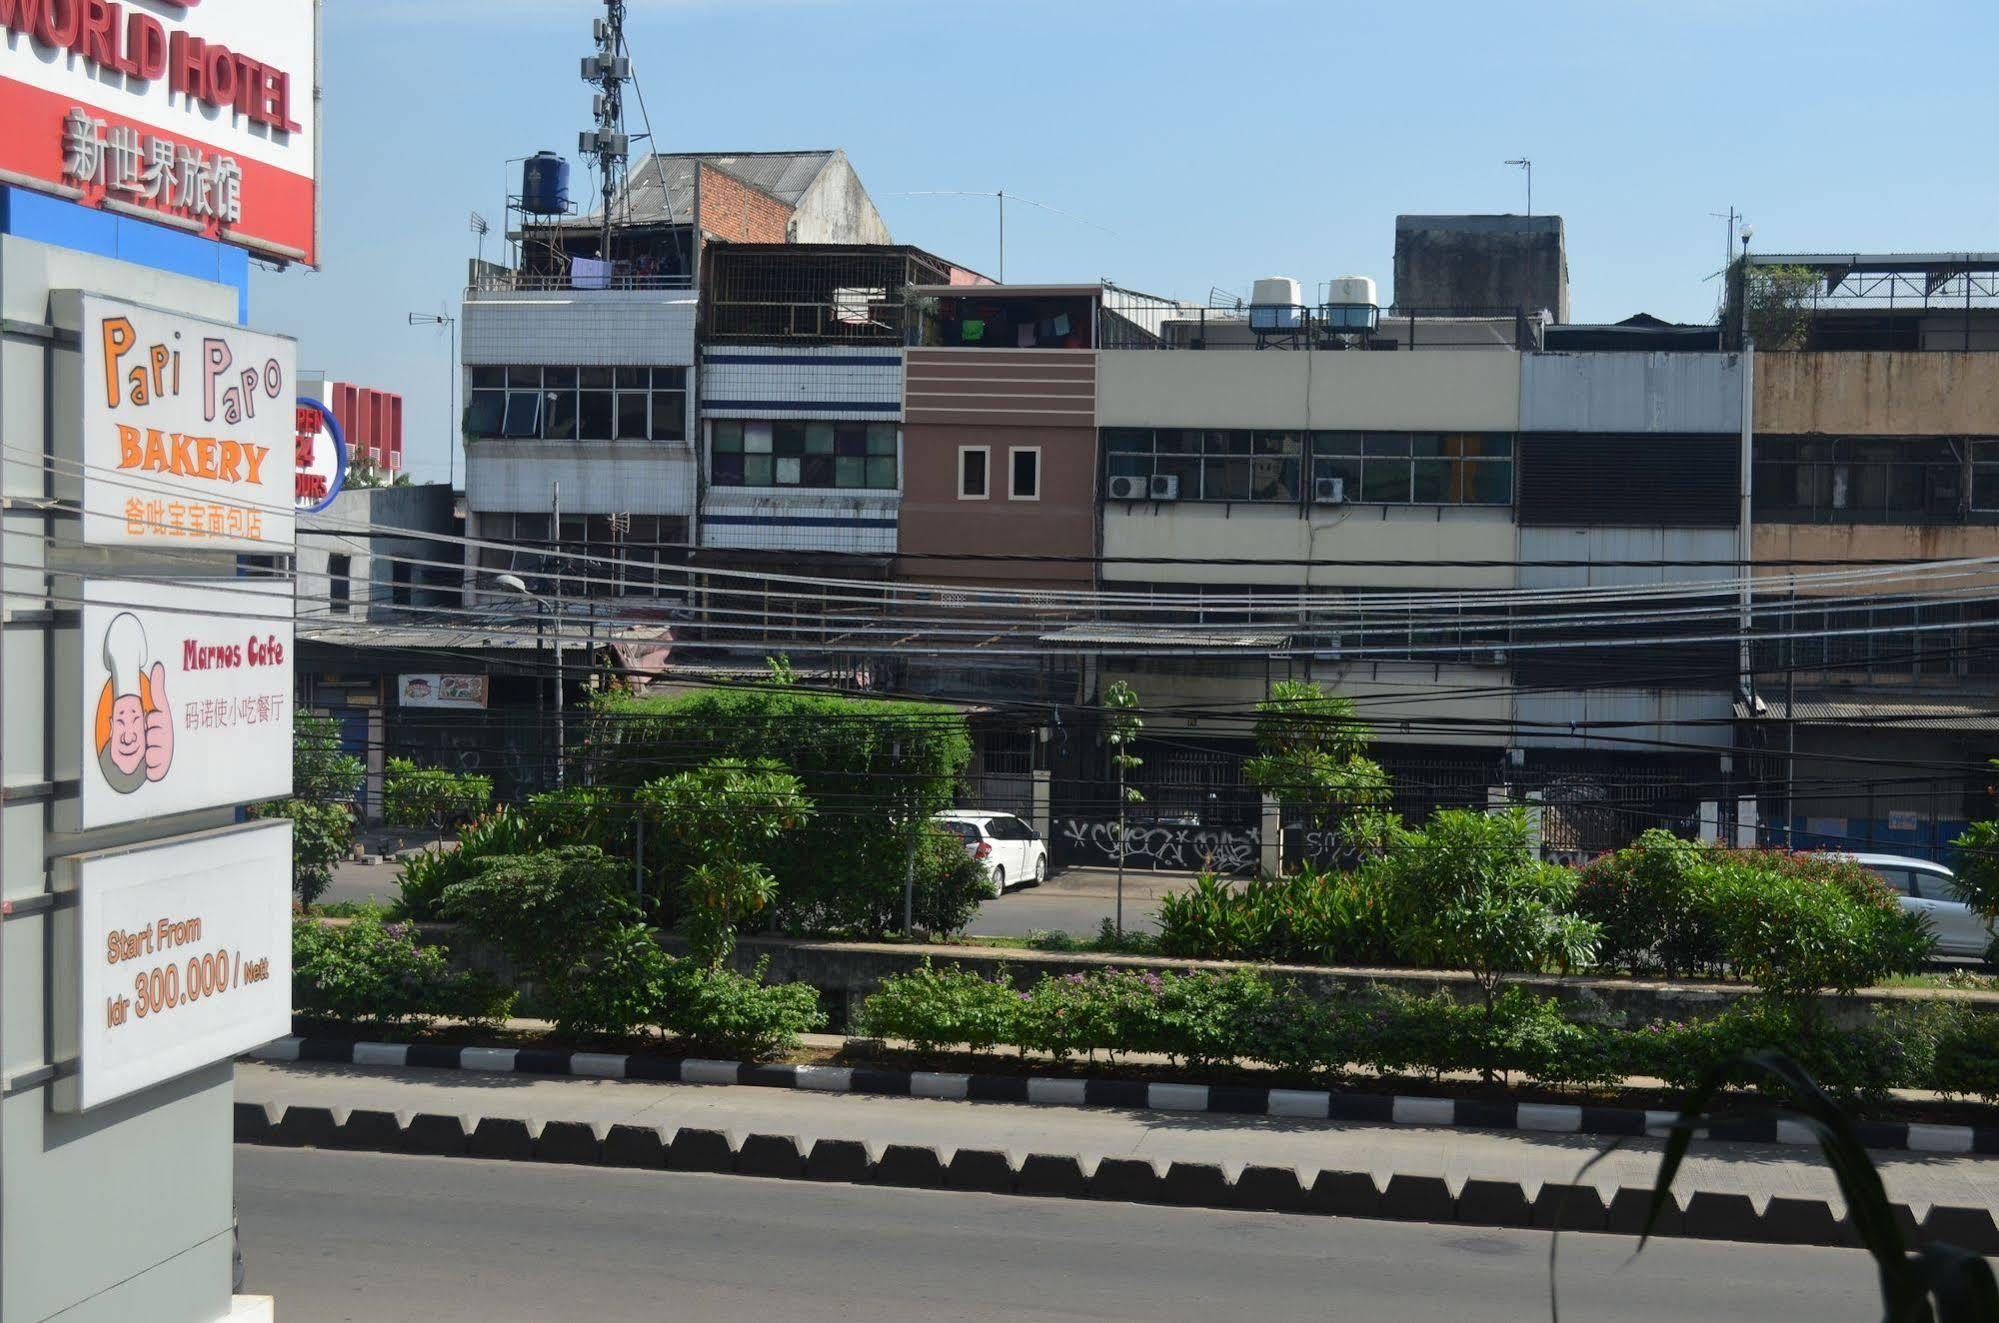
(1219, 141)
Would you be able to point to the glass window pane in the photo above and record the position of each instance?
(1985, 487)
(1385, 481)
(971, 472)
(1495, 444)
(1340, 466)
(787, 470)
(1276, 443)
(881, 472)
(669, 378)
(1228, 443)
(757, 470)
(558, 415)
(850, 471)
(633, 421)
(593, 415)
(1433, 484)
(851, 441)
(1176, 441)
(1273, 479)
(726, 469)
(1123, 438)
(819, 438)
(1187, 468)
(727, 437)
(487, 377)
(486, 413)
(881, 438)
(669, 416)
(1224, 480)
(1385, 443)
(1026, 473)
(816, 471)
(1491, 482)
(1140, 466)
(524, 376)
(553, 378)
(595, 376)
(634, 377)
(756, 438)
(1336, 443)
(523, 413)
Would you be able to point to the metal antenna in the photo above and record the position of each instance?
(1525, 164)
(609, 69)
(1001, 196)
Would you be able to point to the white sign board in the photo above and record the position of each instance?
(433, 690)
(186, 697)
(188, 431)
(198, 114)
(184, 956)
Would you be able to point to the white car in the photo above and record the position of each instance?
(1930, 889)
(1011, 850)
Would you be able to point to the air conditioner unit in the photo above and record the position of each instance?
(1127, 489)
(1165, 486)
(1329, 491)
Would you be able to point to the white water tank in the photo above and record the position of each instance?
(1275, 291)
(1352, 289)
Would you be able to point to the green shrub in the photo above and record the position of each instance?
(432, 797)
(950, 884)
(1966, 1061)
(425, 875)
(721, 1012)
(1309, 917)
(566, 918)
(1795, 928)
(364, 973)
(325, 780)
(725, 817)
(1649, 903)
(1893, 1049)
(933, 1008)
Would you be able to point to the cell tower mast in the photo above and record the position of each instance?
(609, 69)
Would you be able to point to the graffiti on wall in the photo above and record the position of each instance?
(1150, 845)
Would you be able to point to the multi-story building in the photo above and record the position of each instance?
(580, 363)
(1877, 449)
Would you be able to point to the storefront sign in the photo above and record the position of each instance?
(463, 691)
(188, 431)
(183, 957)
(186, 697)
(202, 115)
(320, 453)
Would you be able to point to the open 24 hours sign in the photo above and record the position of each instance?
(181, 955)
(186, 697)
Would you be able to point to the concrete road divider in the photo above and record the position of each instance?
(1479, 1202)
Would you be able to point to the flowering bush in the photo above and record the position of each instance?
(366, 973)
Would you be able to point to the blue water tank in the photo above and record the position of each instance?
(545, 185)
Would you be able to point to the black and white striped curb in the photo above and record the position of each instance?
(1242, 1100)
(1781, 1220)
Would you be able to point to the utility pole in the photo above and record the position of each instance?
(609, 69)
(555, 532)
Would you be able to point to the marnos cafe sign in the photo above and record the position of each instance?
(188, 431)
(199, 114)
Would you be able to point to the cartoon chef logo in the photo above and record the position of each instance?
(135, 727)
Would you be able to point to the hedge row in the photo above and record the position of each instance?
(1208, 1019)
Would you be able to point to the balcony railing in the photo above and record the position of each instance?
(837, 322)
(510, 282)
(1331, 326)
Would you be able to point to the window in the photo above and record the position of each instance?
(578, 403)
(1024, 466)
(339, 584)
(1861, 480)
(801, 453)
(1395, 468)
(399, 583)
(972, 463)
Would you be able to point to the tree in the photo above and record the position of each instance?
(1468, 893)
(726, 815)
(1121, 727)
(432, 797)
(325, 780)
(1779, 302)
(1312, 757)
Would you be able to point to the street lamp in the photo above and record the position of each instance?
(456, 427)
(514, 583)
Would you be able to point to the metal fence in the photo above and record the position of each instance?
(1332, 326)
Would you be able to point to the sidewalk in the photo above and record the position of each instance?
(1529, 1160)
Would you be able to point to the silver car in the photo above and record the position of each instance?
(1930, 889)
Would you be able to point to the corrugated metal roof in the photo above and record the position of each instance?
(1111, 635)
(1819, 710)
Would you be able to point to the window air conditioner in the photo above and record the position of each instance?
(1165, 486)
(1127, 489)
(1329, 491)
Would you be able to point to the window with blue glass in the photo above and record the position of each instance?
(800, 453)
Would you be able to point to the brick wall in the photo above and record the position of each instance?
(732, 210)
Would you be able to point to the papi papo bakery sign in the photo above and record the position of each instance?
(186, 697)
(189, 431)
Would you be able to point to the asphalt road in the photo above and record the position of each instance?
(350, 1236)
(1075, 902)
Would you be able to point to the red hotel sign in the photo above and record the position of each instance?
(204, 119)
